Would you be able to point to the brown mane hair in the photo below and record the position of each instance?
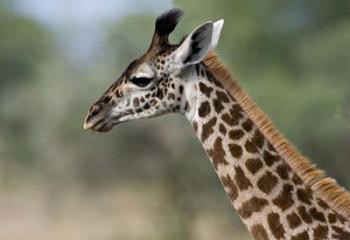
(327, 188)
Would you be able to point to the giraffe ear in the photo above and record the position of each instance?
(217, 27)
(197, 45)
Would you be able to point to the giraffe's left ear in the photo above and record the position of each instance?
(197, 45)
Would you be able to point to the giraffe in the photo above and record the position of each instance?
(277, 192)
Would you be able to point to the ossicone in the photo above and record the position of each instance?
(165, 24)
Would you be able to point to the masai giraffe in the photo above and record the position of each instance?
(277, 193)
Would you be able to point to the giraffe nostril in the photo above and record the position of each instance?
(93, 113)
(94, 110)
(93, 118)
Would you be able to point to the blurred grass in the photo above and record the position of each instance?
(126, 211)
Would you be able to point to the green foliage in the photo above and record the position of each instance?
(23, 44)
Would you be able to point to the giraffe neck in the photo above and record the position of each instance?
(270, 198)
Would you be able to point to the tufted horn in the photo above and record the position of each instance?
(165, 24)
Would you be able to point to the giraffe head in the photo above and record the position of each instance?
(155, 83)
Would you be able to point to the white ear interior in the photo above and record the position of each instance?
(196, 46)
(217, 27)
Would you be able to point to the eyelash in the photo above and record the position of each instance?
(141, 81)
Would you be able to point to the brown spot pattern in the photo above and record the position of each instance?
(319, 216)
(283, 171)
(297, 180)
(285, 199)
(248, 125)
(259, 232)
(322, 204)
(270, 147)
(217, 154)
(258, 139)
(222, 129)
(207, 128)
(275, 225)
(222, 96)
(251, 206)
(204, 109)
(229, 120)
(205, 89)
(236, 134)
(341, 219)
(293, 220)
(332, 218)
(241, 180)
(253, 165)
(267, 182)
(304, 195)
(250, 147)
(301, 236)
(236, 111)
(270, 159)
(235, 150)
(229, 183)
(320, 232)
(304, 214)
(340, 234)
(233, 117)
(218, 106)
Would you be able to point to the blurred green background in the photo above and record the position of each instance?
(150, 179)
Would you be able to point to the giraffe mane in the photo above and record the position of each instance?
(327, 188)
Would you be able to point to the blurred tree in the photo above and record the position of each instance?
(23, 45)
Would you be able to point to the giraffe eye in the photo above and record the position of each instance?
(141, 81)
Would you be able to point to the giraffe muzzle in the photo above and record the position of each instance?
(99, 122)
(99, 125)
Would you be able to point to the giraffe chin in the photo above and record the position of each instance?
(102, 127)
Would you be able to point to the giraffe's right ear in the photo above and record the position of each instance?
(197, 45)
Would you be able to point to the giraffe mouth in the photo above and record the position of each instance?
(104, 127)
(98, 125)
(102, 124)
